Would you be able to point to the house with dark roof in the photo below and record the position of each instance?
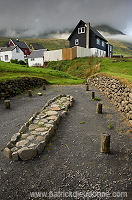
(88, 37)
(35, 46)
(8, 53)
(22, 45)
(36, 58)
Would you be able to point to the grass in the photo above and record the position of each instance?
(15, 71)
(120, 69)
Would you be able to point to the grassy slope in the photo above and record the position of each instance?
(13, 71)
(84, 67)
(121, 48)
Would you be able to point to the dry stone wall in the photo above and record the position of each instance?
(37, 131)
(120, 94)
(13, 87)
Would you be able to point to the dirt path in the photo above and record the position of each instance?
(72, 162)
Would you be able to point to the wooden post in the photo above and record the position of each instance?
(93, 95)
(105, 143)
(30, 93)
(7, 104)
(87, 87)
(44, 87)
(99, 108)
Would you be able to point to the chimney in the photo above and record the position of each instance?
(87, 34)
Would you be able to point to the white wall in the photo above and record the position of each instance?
(11, 55)
(54, 55)
(35, 62)
(18, 55)
(6, 53)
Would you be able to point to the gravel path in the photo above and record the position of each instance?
(72, 162)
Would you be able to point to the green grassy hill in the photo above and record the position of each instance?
(121, 48)
(16, 71)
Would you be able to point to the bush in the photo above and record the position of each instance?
(21, 62)
(14, 61)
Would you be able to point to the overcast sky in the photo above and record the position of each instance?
(37, 16)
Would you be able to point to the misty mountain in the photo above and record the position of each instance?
(60, 34)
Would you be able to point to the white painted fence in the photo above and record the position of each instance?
(54, 55)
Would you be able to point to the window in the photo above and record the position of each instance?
(110, 48)
(76, 42)
(103, 43)
(17, 50)
(98, 41)
(81, 30)
(6, 57)
(32, 59)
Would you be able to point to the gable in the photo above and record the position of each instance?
(20, 44)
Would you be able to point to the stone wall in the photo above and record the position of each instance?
(13, 87)
(119, 94)
(33, 136)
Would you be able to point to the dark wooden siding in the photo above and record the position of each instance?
(93, 42)
(109, 50)
(81, 37)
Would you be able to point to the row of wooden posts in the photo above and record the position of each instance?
(105, 138)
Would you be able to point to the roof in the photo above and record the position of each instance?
(37, 53)
(37, 46)
(3, 49)
(91, 28)
(20, 44)
(97, 33)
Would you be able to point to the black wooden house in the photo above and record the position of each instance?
(88, 37)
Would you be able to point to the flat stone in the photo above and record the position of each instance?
(54, 105)
(23, 129)
(34, 133)
(15, 137)
(130, 121)
(40, 129)
(32, 145)
(40, 138)
(44, 133)
(31, 137)
(40, 94)
(26, 153)
(49, 125)
(22, 143)
(15, 156)
(55, 108)
(23, 136)
(40, 147)
(32, 127)
(7, 153)
(49, 113)
(52, 117)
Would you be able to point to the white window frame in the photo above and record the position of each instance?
(103, 44)
(6, 57)
(98, 41)
(32, 59)
(17, 50)
(76, 42)
(81, 30)
(110, 48)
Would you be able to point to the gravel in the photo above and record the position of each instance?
(72, 161)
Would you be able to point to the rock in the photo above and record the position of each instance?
(7, 152)
(22, 143)
(24, 135)
(23, 129)
(15, 137)
(26, 153)
(10, 144)
(32, 127)
(30, 137)
(40, 94)
(55, 108)
(40, 147)
(42, 129)
(40, 138)
(49, 113)
(15, 156)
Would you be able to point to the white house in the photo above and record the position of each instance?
(8, 53)
(36, 58)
